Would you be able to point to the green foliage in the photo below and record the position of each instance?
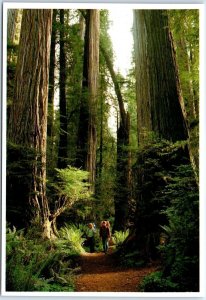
(181, 252)
(105, 38)
(36, 265)
(151, 174)
(73, 183)
(69, 188)
(132, 259)
(71, 239)
(119, 237)
(184, 25)
(169, 205)
(156, 282)
(167, 200)
(185, 28)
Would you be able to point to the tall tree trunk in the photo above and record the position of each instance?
(160, 111)
(84, 106)
(28, 118)
(101, 140)
(122, 195)
(62, 154)
(157, 85)
(93, 81)
(87, 140)
(52, 77)
(51, 116)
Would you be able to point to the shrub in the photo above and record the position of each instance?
(132, 259)
(37, 265)
(155, 282)
(119, 237)
(181, 253)
(71, 239)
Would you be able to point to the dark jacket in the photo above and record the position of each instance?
(104, 232)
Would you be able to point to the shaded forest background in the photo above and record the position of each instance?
(66, 165)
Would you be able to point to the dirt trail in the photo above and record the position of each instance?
(102, 273)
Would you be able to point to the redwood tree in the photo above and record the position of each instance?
(159, 103)
(87, 135)
(28, 118)
(160, 115)
(62, 154)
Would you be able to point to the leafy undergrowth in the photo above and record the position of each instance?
(33, 264)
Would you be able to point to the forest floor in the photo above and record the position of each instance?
(101, 272)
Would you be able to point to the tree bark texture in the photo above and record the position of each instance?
(28, 118)
(81, 155)
(50, 122)
(93, 80)
(87, 135)
(11, 24)
(159, 101)
(63, 143)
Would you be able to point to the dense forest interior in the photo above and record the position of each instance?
(87, 142)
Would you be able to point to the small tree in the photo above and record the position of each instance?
(71, 185)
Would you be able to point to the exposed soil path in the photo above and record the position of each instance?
(102, 273)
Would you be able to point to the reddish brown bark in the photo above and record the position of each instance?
(28, 119)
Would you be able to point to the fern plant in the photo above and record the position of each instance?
(71, 239)
(119, 237)
(37, 265)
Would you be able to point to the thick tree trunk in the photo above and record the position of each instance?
(28, 118)
(157, 86)
(160, 113)
(87, 136)
(62, 153)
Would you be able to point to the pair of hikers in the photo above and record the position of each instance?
(104, 233)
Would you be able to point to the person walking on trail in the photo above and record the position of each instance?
(90, 237)
(104, 233)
